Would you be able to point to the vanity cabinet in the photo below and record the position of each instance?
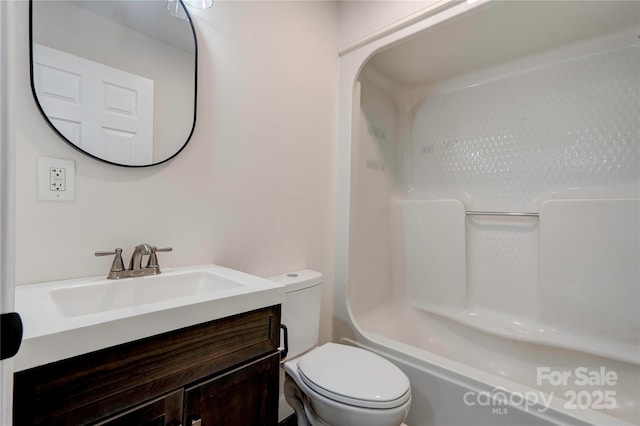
(163, 411)
(237, 398)
(224, 372)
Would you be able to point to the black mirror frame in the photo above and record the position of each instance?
(195, 96)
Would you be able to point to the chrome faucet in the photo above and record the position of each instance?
(118, 270)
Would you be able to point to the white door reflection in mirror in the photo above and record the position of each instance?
(106, 112)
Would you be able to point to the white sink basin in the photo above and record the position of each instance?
(115, 294)
(68, 318)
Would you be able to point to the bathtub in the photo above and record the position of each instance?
(488, 219)
(554, 359)
(461, 376)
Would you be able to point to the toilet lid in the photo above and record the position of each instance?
(354, 376)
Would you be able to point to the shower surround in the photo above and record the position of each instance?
(443, 278)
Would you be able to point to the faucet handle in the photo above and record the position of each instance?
(153, 259)
(118, 264)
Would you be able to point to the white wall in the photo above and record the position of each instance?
(252, 191)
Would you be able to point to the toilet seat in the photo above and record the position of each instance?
(354, 376)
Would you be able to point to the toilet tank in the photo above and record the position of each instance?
(301, 308)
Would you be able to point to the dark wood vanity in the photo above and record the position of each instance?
(223, 372)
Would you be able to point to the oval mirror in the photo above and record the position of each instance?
(116, 79)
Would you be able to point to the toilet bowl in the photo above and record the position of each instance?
(333, 384)
(339, 385)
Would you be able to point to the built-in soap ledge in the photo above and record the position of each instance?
(525, 330)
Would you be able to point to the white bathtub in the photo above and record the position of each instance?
(455, 372)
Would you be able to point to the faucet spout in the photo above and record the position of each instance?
(136, 258)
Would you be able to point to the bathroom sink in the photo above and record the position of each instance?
(66, 318)
(115, 294)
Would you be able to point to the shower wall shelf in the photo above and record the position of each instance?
(513, 214)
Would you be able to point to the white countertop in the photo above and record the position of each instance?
(51, 335)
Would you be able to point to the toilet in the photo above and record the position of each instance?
(333, 384)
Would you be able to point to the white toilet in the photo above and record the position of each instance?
(333, 384)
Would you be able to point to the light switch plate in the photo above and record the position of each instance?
(56, 179)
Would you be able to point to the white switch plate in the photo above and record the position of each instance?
(56, 179)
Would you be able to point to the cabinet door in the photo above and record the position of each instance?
(241, 397)
(163, 411)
